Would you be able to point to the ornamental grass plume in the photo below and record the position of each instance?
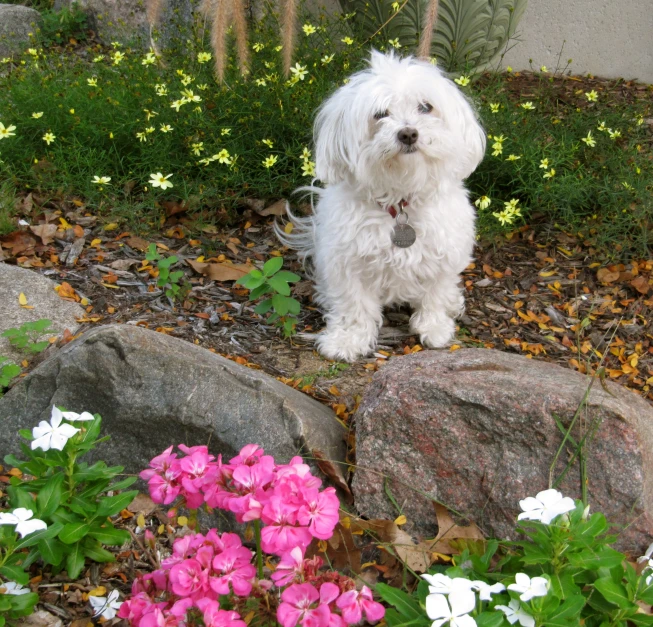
(424, 49)
(218, 11)
(240, 28)
(153, 14)
(288, 34)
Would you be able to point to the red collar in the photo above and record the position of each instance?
(393, 211)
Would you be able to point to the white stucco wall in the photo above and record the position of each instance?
(608, 38)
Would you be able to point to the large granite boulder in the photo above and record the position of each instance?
(16, 24)
(475, 430)
(42, 302)
(154, 391)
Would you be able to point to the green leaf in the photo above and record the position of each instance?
(279, 285)
(293, 306)
(122, 484)
(257, 292)
(288, 277)
(613, 592)
(95, 552)
(109, 535)
(49, 496)
(40, 325)
(52, 551)
(75, 560)
(272, 265)
(563, 585)
(264, 306)
(280, 304)
(15, 573)
(489, 619)
(405, 604)
(23, 604)
(605, 557)
(73, 532)
(641, 619)
(111, 505)
(566, 614)
(34, 538)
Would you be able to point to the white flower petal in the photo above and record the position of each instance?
(7, 518)
(438, 583)
(437, 606)
(26, 527)
(530, 504)
(42, 429)
(563, 506)
(539, 586)
(11, 587)
(42, 442)
(58, 441)
(464, 621)
(549, 497)
(462, 601)
(22, 513)
(56, 418)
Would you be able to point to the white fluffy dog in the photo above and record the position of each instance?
(392, 145)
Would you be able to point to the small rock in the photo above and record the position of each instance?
(474, 429)
(483, 283)
(17, 22)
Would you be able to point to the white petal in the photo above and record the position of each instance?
(22, 513)
(439, 623)
(30, 526)
(525, 620)
(462, 601)
(529, 504)
(42, 429)
(11, 587)
(68, 430)
(522, 579)
(43, 442)
(56, 418)
(8, 519)
(85, 415)
(561, 507)
(539, 586)
(464, 621)
(439, 581)
(527, 596)
(549, 497)
(113, 597)
(58, 441)
(437, 606)
(509, 613)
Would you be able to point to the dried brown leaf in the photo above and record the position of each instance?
(221, 271)
(45, 232)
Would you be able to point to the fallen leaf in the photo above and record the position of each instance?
(22, 299)
(607, 276)
(450, 535)
(142, 504)
(640, 283)
(45, 232)
(221, 271)
(333, 472)
(137, 242)
(275, 209)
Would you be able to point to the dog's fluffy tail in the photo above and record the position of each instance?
(302, 236)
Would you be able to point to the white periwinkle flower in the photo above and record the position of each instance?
(72, 416)
(22, 518)
(485, 591)
(459, 589)
(529, 588)
(454, 611)
(647, 555)
(107, 607)
(514, 613)
(546, 506)
(53, 435)
(11, 587)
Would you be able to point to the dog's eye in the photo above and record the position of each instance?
(381, 114)
(425, 107)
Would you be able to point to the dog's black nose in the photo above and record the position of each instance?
(407, 135)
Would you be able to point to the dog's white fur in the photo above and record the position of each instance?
(365, 169)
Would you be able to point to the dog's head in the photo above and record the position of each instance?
(398, 125)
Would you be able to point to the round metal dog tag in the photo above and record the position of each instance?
(403, 235)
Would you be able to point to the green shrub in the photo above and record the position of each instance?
(59, 27)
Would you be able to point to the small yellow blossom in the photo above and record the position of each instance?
(306, 154)
(627, 185)
(268, 162)
(99, 58)
(149, 59)
(308, 168)
(614, 134)
(592, 96)
(33, 52)
(187, 80)
(72, 111)
(149, 129)
(37, 115)
(158, 180)
(278, 48)
(504, 217)
(497, 146)
(258, 47)
(494, 107)
(202, 87)
(117, 57)
(463, 81)
(142, 137)
(513, 157)
(149, 114)
(101, 180)
(197, 148)
(327, 58)
(309, 29)
(188, 93)
(7, 131)
(260, 82)
(225, 131)
(165, 128)
(589, 140)
(550, 174)
(161, 89)
(509, 69)
(204, 57)
(529, 106)
(347, 40)
(92, 82)
(511, 205)
(268, 142)
(116, 44)
(544, 69)
(544, 164)
(394, 42)
(49, 137)
(602, 126)
(223, 156)
(395, 6)
(483, 202)
(177, 104)
(298, 72)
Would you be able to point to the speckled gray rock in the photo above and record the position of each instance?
(16, 22)
(474, 429)
(40, 294)
(154, 391)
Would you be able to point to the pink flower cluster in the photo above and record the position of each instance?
(190, 582)
(285, 497)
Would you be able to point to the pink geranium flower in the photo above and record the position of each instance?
(290, 568)
(354, 603)
(215, 617)
(189, 579)
(280, 533)
(236, 569)
(320, 512)
(302, 603)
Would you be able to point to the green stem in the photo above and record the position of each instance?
(259, 552)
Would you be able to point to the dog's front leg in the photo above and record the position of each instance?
(353, 317)
(433, 319)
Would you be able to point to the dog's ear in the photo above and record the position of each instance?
(335, 142)
(472, 134)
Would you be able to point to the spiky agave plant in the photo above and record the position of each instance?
(469, 34)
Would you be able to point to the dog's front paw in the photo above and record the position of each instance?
(433, 331)
(344, 345)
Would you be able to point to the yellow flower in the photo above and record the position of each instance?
(602, 126)
(347, 40)
(72, 111)
(92, 81)
(394, 42)
(165, 128)
(149, 129)
(278, 48)
(268, 142)
(614, 134)
(589, 140)
(494, 107)
(161, 90)
(187, 80)
(101, 180)
(197, 148)
(529, 106)
(202, 87)
(308, 168)
(509, 69)
(117, 57)
(550, 174)
(48, 138)
(504, 217)
(223, 156)
(149, 114)
(158, 180)
(33, 52)
(627, 185)
(395, 6)
(99, 58)
(116, 44)
(544, 164)
(260, 82)
(188, 93)
(308, 29)
(513, 157)
(177, 104)
(591, 96)
(463, 81)
(149, 59)
(497, 146)
(258, 47)
(327, 58)
(306, 154)
(268, 162)
(38, 115)
(225, 131)
(298, 72)
(142, 137)
(204, 57)
(483, 202)
(544, 69)
(7, 131)
(511, 205)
